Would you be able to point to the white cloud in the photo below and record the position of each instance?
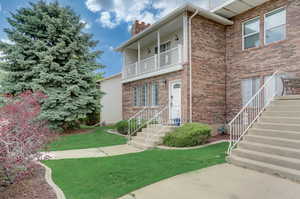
(114, 12)
(7, 41)
(111, 48)
(87, 25)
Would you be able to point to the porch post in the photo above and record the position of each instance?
(139, 55)
(158, 49)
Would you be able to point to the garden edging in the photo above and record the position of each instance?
(187, 148)
(48, 176)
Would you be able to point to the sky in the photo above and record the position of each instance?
(108, 20)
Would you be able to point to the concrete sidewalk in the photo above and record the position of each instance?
(91, 152)
(220, 182)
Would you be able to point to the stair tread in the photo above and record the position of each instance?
(274, 130)
(281, 124)
(274, 138)
(268, 165)
(278, 157)
(279, 117)
(271, 146)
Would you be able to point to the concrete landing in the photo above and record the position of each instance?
(223, 181)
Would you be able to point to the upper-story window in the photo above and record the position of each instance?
(163, 47)
(275, 26)
(251, 33)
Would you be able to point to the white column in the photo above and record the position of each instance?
(185, 38)
(158, 49)
(124, 64)
(139, 56)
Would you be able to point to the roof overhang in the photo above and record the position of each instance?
(232, 8)
(177, 12)
(110, 77)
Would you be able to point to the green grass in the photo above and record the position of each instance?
(96, 138)
(112, 177)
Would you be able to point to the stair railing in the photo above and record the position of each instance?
(241, 123)
(139, 120)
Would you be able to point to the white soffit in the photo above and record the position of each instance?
(232, 8)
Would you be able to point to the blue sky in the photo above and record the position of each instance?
(108, 20)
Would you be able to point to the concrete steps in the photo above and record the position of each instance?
(272, 144)
(150, 137)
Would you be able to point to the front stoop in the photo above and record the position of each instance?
(150, 137)
(272, 144)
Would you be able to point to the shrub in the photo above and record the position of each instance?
(190, 134)
(22, 135)
(122, 127)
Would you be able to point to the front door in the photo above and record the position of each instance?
(175, 101)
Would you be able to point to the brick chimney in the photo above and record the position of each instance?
(138, 27)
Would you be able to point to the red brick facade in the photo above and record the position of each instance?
(264, 60)
(220, 63)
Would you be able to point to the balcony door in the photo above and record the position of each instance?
(165, 56)
(175, 101)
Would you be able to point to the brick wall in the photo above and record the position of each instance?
(208, 59)
(163, 81)
(264, 60)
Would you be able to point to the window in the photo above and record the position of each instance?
(249, 89)
(251, 33)
(275, 26)
(146, 94)
(154, 94)
(164, 47)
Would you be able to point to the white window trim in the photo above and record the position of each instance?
(243, 31)
(163, 43)
(265, 28)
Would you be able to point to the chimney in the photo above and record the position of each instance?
(138, 27)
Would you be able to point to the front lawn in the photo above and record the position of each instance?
(96, 138)
(112, 177)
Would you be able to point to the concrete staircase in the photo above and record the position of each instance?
(272, 144)
(150, 137)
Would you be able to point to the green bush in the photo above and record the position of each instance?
(191, 134)
(122, 127)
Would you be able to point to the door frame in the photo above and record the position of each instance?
(170, 90)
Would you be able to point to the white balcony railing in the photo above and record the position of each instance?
(156, 63)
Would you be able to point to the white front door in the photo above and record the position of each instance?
(175, 101)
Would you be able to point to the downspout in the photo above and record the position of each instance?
(190, 63)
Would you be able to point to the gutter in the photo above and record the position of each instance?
(190, 63)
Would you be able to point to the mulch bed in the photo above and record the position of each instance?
(218, 137)
(76, 131)
(33, 187)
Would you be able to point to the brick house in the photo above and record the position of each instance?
(204, 64)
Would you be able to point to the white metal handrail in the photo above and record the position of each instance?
(153, 117)
(139, 120)
(241, 123)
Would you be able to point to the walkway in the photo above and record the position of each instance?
(92, 152)
(220, 182)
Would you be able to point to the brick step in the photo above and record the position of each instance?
(277, 160)
(290, 143)
(280, 120)
(276, 126)
(284, 172)
(294, 114)
(275, 133)
(270, 149)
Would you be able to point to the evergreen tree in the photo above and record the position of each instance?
(51, 53)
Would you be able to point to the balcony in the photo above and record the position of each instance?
(162, 63)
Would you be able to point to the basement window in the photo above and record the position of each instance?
(275, 26)
(251, 32)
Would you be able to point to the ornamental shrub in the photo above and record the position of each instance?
(122, 127)
(22, 135)
(191, 134)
